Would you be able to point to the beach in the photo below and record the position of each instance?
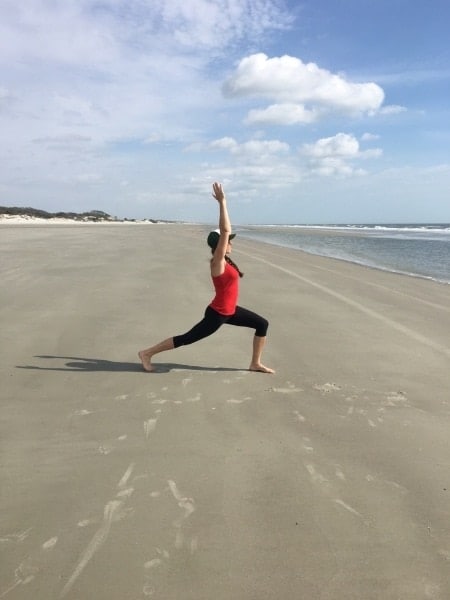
(329, 480)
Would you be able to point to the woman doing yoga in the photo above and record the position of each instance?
(223, 309)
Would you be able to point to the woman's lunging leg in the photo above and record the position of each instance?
(247, 318)
(207, 326)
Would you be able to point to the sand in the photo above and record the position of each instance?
(329, 480)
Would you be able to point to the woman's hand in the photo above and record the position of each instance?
(218, 192)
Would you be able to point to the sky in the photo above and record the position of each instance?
(322, 111)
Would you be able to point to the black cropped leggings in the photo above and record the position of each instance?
(213, 320)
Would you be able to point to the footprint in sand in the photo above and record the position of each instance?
(339, 473)
(24, 574)
(396, 399)
(326, 388)
(149, 426)
(151, 568)
(195, 398)
(285, 390)
(49, 543)
(315, 475)
(30, 567)
(87, 522)
(348, 507)
(82, 412)
(300, 418)
(16, 537)
(151, 564)
(125, 493)
(188, 507)
(306, 445)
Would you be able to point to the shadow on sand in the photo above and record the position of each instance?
(89, 365)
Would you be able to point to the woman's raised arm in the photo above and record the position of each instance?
(218, 262)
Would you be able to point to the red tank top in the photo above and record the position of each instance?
(227, 290)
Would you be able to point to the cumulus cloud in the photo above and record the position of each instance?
(368, 137)
(393, 109)
(296, 85)
(252, 148)
(335, 155)
(282, 114)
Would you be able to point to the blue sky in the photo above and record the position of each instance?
(309, 112)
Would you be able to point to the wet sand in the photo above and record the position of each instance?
(329, 480)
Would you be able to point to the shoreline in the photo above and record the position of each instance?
(314, 230)
(356, 246)
(355, 262)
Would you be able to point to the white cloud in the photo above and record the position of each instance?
(37, 30)
(225, 143)
(334, 155)
(369, 137)
(341, 144)
(373, 153)
(256, 149)
(87, 32)
(333, 166)
(118, 69)
(282, 114)
(288, 79)
(213, 24)
(392, 109)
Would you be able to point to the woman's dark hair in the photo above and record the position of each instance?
(231, 263)
(234, 265)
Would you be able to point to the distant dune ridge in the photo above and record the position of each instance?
(96, 216)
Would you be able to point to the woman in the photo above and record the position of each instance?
(223, 309)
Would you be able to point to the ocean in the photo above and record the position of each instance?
(417, 250)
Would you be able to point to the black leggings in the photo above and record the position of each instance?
(213, 320)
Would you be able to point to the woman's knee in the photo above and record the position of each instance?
(206, 327)
(262, 327)
(179, 340)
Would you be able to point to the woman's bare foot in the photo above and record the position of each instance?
(146, 361)
(260, 368)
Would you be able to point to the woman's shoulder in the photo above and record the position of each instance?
(217, 267)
